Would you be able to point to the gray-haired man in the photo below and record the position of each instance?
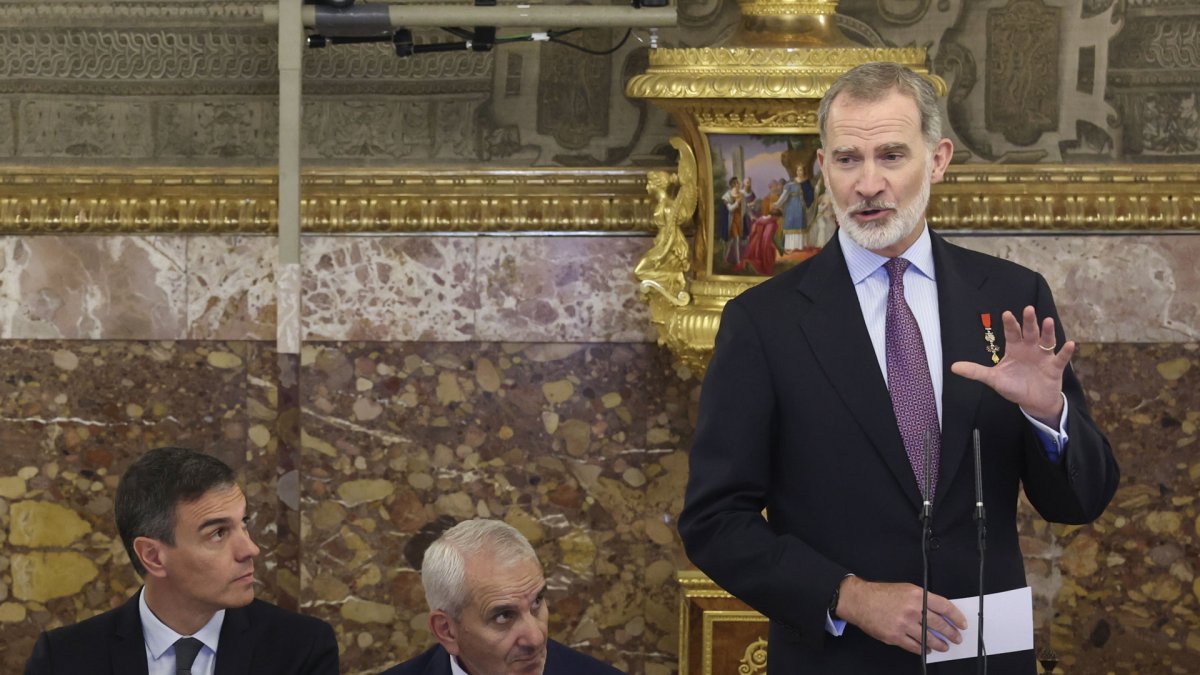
(487, 601)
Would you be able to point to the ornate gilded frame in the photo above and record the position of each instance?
(180, 200)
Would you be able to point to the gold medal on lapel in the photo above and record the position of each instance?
(986, 320)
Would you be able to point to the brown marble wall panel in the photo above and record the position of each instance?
(561, 289)
(93, 287)
(389, 288)
(231, 287)
(1113, 289)
(578, 446)
(456, 289)
(1125, 591)
(583, 447)
(73, 415)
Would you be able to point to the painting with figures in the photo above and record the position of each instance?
(769, 209)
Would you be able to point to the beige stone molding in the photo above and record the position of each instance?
(41, 200)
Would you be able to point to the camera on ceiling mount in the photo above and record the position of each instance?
(334, 22)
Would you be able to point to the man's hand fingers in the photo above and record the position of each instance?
(1065, 354)
(972, 371)
(946, 611)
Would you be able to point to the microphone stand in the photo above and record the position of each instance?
(926, 526)
(981, 532)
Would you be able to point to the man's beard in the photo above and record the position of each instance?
(883, 233)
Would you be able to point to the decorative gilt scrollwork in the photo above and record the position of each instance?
(662, 270)
(754, 661)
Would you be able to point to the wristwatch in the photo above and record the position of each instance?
(837, 592)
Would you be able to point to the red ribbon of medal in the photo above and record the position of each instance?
(986, 320)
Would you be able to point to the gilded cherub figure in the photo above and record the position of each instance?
(665, 265)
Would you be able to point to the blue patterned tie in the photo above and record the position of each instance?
(909, 382)
(186, 650)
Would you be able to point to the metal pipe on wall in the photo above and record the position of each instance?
(386, 17)
(287, 281)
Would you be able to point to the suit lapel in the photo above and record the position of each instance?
(960, 302)
(129, 644)
(835, 329)
(235, 647)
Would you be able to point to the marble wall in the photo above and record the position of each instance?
(513, 377)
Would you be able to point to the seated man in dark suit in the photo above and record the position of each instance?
(487, 601)
(183, 520)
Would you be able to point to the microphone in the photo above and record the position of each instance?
(981, 534)
(926, 526)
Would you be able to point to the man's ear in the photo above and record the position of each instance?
(942, 152)
(444, 630)
(152, 554)
(820, 159)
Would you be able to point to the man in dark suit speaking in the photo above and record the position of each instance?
(827, 379)
(487, 600)
(182, 519)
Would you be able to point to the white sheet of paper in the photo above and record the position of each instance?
(1007, 625)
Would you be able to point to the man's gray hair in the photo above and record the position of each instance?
(444, 567)
(871, 82)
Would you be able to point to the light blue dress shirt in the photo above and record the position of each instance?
(160, 642)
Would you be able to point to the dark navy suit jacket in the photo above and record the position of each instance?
(795, 417)
(560, 660)
(258, 639)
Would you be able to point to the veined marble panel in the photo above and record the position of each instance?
(90, 287)
(231, 288)
(389, 288)
(562, 289)
(556, 289)
(1114, 289)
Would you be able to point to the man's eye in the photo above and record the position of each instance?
(219, 533)
(503, 617)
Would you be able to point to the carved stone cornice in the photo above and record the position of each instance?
(37, 200)
(191, 61)
(198, 13)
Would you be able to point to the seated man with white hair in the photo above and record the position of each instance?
(487, 601)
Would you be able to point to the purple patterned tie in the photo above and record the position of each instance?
(909, 382)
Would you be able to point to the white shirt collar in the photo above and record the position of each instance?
(863, 263)
(159, 637)
(456, 669)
